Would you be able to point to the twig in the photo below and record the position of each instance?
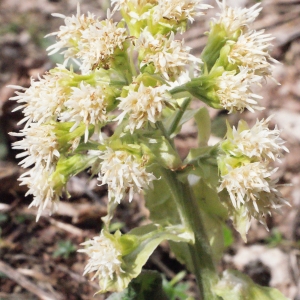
(67, 227)
(27, 284)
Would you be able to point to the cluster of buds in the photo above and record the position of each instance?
(147, 99)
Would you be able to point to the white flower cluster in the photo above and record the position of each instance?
(123, 174)
(105, 259)
(53, 98)
(251, 51)
(85, 104)
(178, 10)
(44, 99)
(169, 57)
(39, 183)
(40, 145)
(235, 18)
(90, 40)
(247, 174)
(257, 142)
(172, 10)
(145, 104)
(234, 91)
(248, 55)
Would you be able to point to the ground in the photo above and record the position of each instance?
(38, 260)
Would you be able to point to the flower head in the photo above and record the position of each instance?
(98, 43)
(90, 40)
(145, 104)
(169, 57)
(86, 104)
(233, 19)
(257, 143)
(45, 98)
(40, 145)
(251, 50)
(105, 258)
(234, 90)
(70, 33)
(123, 173)
(40, 185)
(246, 173)
(178, 10)
(251, 187)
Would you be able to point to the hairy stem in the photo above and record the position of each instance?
(191, 218)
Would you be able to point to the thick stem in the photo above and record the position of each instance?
(200, 251)
(204, 270)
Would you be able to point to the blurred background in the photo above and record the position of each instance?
(39, 260)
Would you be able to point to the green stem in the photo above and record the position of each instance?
(178, 116)
(163, 130)
(178, 90)
(204, 270)
(191, 218)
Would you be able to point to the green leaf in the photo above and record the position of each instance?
(203, 122)
(148, 285)
(228, 236)
(208, 198)
(182, 254)
(147, 239)
(214, 214)
(203, 160)
(241, 222)
(175, 289)
(64, 249)
(235, 285)
(159, 200)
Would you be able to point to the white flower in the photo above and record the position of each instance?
(123, 174)
(105, 259)
(44, 99)
(90, 40)
(251, 187)
(40, 145)
(40, 186)
(245, 182)
(86, 104)
(233, 18)
(170, 57)
(234, 90)
(98, 44)
(251, 50)
(69, 34)
(145, 104)
(257, 142)
(178, 10)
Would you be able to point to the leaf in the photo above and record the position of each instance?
(159, 200)
(175, 289)
(148, 285)
(241, 222)
(214, 215)
(203, 122)
(208, 198)
(228, 236)
(235, 285)
(204, 162)
(183, 255)
(147, 239)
